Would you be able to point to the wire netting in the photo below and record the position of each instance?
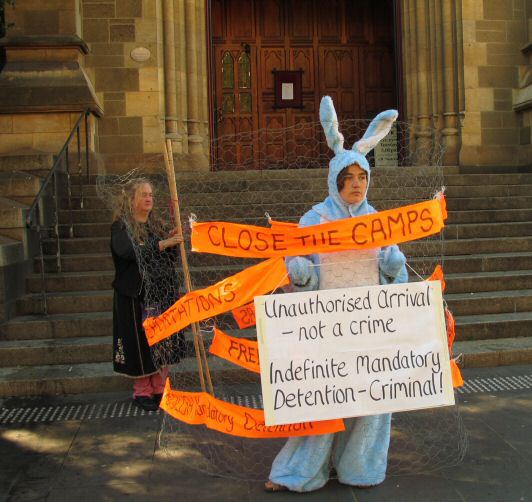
(282, 175)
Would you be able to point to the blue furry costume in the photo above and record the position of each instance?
(359, 454)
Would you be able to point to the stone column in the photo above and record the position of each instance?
(424, 119)
(181, 77)
(194, 82)
(170, 90)
(451, 139)
(432, 52)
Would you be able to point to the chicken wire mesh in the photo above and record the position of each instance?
(278, 174)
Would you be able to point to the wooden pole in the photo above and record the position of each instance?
(199, 347)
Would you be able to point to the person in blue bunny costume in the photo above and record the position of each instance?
(359, 454)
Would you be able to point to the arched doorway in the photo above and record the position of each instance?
(343, 48)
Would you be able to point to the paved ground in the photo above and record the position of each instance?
(98, 455)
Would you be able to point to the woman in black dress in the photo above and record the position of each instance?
(137, 233)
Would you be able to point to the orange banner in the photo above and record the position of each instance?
(201, 408)
(451, 330)
(225, 295)
(458, 381)
(245, 315)
(437, 275)
(394, 226)
(239, 351)
(281, 224)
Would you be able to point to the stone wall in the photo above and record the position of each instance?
(48, 17)
(162, 93)
(43, 88)
(465, 64)
(131, 91)
(494, 31)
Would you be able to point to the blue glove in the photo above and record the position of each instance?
(302, 274)
(392, 265)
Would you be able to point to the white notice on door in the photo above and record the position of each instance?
(287, 92)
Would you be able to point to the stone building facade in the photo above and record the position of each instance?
(146, 68)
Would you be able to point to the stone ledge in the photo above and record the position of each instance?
(523, 98)
(44, 42)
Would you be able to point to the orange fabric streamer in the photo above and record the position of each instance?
(239, 351)
(225, 295)
(458, 381)
(394, 226)
(281, 224)
(245, 315)
(437, 275)
(201, 408)
(451, 333)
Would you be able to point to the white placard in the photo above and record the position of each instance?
(352, 352)
(386, 150)
(287, 91)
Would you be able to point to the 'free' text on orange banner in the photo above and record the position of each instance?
(225, 295)
(244, 353)
(201, 408)
(394, 226)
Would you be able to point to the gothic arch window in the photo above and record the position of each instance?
(228, 77)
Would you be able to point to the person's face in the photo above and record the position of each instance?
(143, 200)
(355, 185)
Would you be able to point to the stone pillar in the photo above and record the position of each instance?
(195, 44)
(431, 48)
(181, 77)
(170, 90)
(409, 47)
(451, 139)
(424, 117)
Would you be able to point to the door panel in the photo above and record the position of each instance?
(345, 49)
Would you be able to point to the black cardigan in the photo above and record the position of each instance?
(127, 276)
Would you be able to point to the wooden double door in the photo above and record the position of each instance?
(345, 49)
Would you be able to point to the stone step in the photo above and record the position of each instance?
(38, 327)
(76, 263)
(71, 281)
(489, 281)
(61, 379)
(209, 274)
(489, 302)
(99, 376)
(16, 184)
(229, 203)
(12, 214)
(99, 223)
(490, 353)
(493, 326)
(10, 163)
(467, 246)
(485, 262)
(484, 230)
(469, 204)
(56, 351)
(470, 285)
(487, 179)
(72, 350)
(254, 180)
(425, 250)
(66, 303)
(489, 216)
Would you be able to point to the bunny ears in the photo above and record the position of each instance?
(378, 128)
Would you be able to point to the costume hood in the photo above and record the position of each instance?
(334, 207)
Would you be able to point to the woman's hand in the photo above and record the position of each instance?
(172, 241)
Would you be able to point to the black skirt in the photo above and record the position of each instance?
(131, 352)
(132, 356)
